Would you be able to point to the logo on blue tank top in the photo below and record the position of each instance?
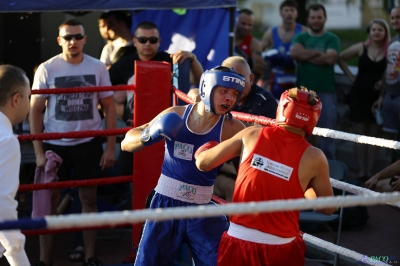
(183, 150)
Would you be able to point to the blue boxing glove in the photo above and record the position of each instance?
(167, 126)
(278, 59)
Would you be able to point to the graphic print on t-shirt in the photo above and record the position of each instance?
(271, 167)
(74, 106)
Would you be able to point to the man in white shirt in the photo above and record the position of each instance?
(14, 107)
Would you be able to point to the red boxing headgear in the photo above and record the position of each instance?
(298, 113)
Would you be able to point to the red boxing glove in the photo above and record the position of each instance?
(205, 146)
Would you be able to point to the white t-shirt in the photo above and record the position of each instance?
(110, 50)
(11, 241)
(72, 111)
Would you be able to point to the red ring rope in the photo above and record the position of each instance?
(84, 89)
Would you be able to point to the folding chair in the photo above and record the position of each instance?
(337, 170)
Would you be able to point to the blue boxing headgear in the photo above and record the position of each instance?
(219, 76)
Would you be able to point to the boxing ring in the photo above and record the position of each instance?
(152, 95)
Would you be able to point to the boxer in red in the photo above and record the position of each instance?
(276, 162)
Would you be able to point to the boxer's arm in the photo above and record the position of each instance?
(226, 150)
(315, 164)
(133, 140)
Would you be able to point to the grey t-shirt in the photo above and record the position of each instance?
(71, 111)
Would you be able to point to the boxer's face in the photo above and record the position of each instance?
(224, 99)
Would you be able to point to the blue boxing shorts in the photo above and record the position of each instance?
(161, 241)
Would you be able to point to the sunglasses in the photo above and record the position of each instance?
(71, 36)
(152, 40)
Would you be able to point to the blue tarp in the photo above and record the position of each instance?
(204, 32)
(91, 5)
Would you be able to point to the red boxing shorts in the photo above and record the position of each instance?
(233, 251)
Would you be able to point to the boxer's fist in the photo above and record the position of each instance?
(167, 126)
(204, 147)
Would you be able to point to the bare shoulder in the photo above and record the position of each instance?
(180, 110)
(358, 46)
(255, 43)
(231, 127)
(251, 132)
(314, 157)
(267, 34)
(266, 40)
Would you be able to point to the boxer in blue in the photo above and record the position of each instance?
(185, 129)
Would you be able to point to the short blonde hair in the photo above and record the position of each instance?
(311, 100)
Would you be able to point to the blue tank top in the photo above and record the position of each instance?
(282, 78)
(179, 162)
(278, 44)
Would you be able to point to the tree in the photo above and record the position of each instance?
(302, 17)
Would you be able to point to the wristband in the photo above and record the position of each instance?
(145, 137)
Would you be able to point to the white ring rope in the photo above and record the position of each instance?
(340, 250)
(356, 189)
(127, 217)
(324, 132)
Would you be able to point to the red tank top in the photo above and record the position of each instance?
(270, 172)
(245, 45)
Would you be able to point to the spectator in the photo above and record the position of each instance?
(276, 163)
(316, 52)
(187, 126)
(14, 107)
(122, 44)
(365, 89)
(379, 182)
(255, 101)
(389, 98)
(279, 38)
(247, 43)
(147, 42)
(83, 158)
(106, 29)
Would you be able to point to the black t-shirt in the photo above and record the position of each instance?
(124, 68)
(124, 51)
(258, 102)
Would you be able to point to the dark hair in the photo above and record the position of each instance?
(122, 16)
(290, 3)
(246, 11)
(104, 15)
(71, 22)
(11, 81)
(146, 25)
(316, 7)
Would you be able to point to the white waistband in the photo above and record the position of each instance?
(253, 235)
(183, 191)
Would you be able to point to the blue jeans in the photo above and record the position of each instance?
(328, 119)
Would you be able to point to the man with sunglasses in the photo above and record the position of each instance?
(147, 42)
(83, 158)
